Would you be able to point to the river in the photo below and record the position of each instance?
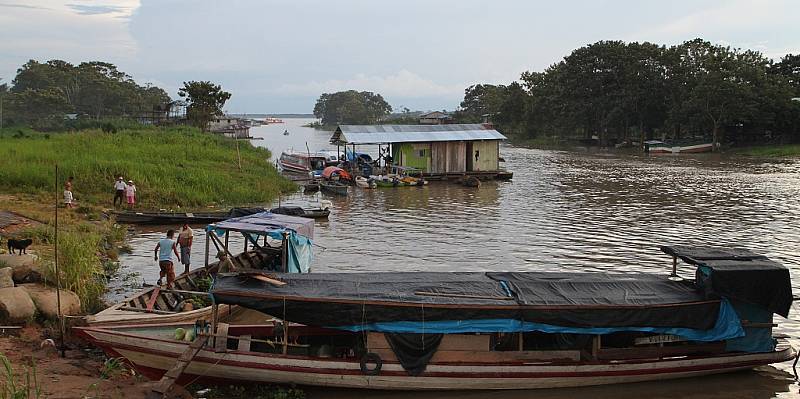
(562, 211)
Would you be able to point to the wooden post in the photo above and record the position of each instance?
(596, 344)
(674, 267)
(284, 252)
(58, 273)
(521, 334)
(214, 316)
(245, 243)
(227, 236)
(285, 329)
(208, 245)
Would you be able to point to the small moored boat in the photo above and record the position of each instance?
(164, 218)
(161, 305)
(301, 162)
(334, 187)
(661, 147)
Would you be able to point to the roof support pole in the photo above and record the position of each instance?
(284, 252)
(674, 267)
(208, 246)
(227, 237)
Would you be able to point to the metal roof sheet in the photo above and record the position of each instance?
(379, 134)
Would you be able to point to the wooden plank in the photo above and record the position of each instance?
(266, 279)
(162, 305)
(442, 356)
(244, 343)
(153, 296)
(165, 385)
(220, 338)
(143, 310)
(658, 351)
(450, 342)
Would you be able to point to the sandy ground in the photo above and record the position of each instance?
(78, 375)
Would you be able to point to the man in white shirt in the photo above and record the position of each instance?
(119, 187)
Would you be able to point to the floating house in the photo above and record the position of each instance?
(433, 150)
(230, 126)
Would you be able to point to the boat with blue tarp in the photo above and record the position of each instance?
(483, 330)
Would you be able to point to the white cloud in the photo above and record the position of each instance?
(404, 83)
(74, 31)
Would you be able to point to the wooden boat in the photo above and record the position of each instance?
(242, 355)
(131, 217)
(164, 218)
(311, 213)
(459, 331)
(301, 162)
(159, 305)
(660, 147)
(333, 187)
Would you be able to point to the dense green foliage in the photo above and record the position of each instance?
(42, 93)
(205, 102)
(626, 92)
(351, 107)
(170, 167)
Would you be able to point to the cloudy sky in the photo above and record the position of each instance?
(278, 56)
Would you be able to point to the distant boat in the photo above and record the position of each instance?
(334, 187)
(301, 162)
(270, 119)
(660, 147)
(285, 132)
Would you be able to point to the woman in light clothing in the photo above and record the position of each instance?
(130, 194)
(69, 202)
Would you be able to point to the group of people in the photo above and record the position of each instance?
(124, 191)
(182, 249)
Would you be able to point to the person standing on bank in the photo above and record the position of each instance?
(185, 238)
(163, 254)
(130, 194)
(119, 191)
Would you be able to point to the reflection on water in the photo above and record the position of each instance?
(562, 211)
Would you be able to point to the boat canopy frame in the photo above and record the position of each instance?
(293, 232)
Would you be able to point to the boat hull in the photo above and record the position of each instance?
(152, 357)
(334, 188)
(687, 149)
(169, 218)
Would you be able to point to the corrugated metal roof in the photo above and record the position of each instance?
(380, 134)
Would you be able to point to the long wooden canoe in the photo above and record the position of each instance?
(252, 354)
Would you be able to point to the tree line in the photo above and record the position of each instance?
(621, 92)
(42, 94)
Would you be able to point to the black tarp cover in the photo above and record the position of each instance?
(414, 351)
(565, 299)
(740, 274)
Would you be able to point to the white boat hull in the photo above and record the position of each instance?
(153, 356)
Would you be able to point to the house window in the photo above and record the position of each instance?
(422, 153)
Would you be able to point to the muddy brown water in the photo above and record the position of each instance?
(563, 211)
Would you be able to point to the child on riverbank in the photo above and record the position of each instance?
(130, 194)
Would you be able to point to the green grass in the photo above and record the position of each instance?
(788, 150)
(170, 167)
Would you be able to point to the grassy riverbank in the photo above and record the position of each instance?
(175, 167)
(778, 151)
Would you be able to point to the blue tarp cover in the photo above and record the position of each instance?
(727, 326)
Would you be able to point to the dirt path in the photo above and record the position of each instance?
(78, 375)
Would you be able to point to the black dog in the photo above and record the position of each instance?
(20, 245)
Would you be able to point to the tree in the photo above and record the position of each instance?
(351, 107)
(205, 102)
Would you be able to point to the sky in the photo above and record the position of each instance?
(279, 56)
